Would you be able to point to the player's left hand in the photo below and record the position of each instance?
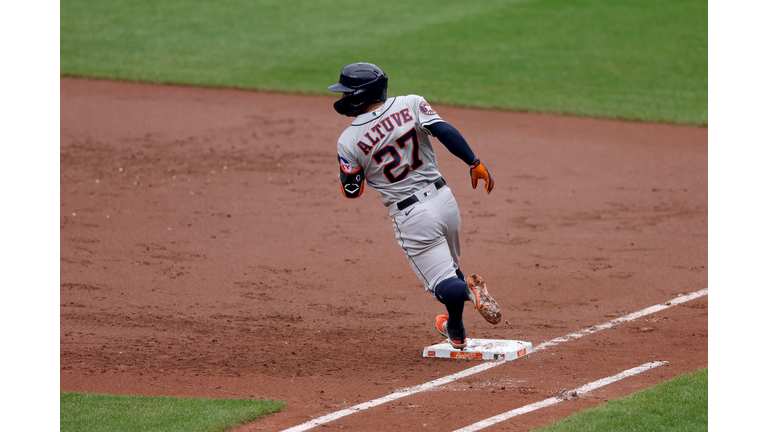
(478, 171)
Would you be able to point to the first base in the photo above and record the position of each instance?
(481, 349)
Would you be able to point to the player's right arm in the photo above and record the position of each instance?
(352, 184)
(453, 141)
(351, 177)
(456, 144)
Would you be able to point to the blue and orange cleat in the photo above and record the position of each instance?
(458, 339)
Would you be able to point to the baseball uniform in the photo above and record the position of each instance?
(391, 147)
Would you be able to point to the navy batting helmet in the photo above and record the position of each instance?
(362, 84)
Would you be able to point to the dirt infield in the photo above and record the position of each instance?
(207, 251)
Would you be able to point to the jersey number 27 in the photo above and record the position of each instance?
(397, 159)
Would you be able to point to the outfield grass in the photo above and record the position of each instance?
(81, 412)
(678, 405)
(630, 59)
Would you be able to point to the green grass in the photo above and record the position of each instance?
(679, 404)
(629, 59)
(81, 412)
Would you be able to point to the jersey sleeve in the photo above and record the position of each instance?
(425, 114)
(347, 161)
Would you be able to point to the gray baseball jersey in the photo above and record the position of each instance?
(391, 145)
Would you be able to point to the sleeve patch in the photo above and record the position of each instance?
(426, 108)
(346, 166)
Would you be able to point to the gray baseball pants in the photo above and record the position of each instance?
(428, 233)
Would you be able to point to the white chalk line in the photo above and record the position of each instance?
(557, 399)
(626, 318)
(485, 366)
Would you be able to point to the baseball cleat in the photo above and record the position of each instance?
(441, 323)
(484, 303)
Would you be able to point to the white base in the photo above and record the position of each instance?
(481, 349)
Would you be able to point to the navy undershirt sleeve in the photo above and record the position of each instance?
(453, 141)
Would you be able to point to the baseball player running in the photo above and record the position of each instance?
(388, 146)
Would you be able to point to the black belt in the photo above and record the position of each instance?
(413, 200)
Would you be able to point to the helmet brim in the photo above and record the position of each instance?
(339, 87)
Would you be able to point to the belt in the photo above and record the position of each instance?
(413, 200)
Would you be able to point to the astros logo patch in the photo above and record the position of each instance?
(426, 108)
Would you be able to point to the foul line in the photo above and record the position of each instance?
(557, 399)
(625, 318)
(485, 366)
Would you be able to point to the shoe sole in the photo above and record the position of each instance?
(458, 347)
(483, 302)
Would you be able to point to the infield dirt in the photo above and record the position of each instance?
(207, 251)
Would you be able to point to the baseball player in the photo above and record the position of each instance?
(388, 145)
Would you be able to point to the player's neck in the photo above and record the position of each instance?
(373, 106)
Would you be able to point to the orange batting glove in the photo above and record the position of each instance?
(478, 171)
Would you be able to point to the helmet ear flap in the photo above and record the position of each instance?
(343, 108)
